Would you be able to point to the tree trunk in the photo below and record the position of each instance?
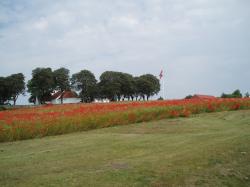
(62, 99)
(15, 98)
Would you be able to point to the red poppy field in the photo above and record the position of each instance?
(27, 123)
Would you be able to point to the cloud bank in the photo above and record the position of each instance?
(202, 45)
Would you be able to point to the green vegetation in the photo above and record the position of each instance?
(85, 82)
(235, 94)
(205, 150)
(114, 86)
(11, 87)
(41, 85)
(61, 78)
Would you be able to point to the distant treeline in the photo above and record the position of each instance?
(235, 94)
(114, 86)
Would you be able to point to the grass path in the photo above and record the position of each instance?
(205, 150)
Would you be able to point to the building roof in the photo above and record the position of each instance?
(65, 95)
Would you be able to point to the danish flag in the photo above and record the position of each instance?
(161, 74)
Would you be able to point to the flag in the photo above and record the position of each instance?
(161, 74)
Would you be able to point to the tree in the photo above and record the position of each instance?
(86, 83)
(16, 86)
(11, 87)
(189, 97)
(4, 91)
(137, 91)
(42, 84)
(61, 78)
(149, 85)
(126, 85)
(117, 85)
(110, 85)
(237, 94)
(223, 95)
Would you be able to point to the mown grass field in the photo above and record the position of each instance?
(211, 149)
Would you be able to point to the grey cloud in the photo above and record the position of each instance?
(202, 44)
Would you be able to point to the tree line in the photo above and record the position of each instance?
(11, 87)
(235, 94)
(115, 86)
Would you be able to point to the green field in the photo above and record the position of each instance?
(204, 150)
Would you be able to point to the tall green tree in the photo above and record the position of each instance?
(235, 94)
(42, 84)
(61, 78)
(11, 87)
(16, 84)
(86, 83)
(127, 85)
(110, 85)
(149, 85)
(4, 91)
(136, 88)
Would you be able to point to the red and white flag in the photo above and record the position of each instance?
(161, 74)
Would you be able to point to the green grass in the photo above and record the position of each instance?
(205, 150)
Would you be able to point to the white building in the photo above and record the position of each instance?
(68, 97)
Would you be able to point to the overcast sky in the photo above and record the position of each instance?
(202, 45)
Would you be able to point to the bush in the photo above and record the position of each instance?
(189, 97)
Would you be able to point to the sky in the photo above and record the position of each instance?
(203, 46)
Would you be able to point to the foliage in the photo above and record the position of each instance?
(61, 77)
(17, 86)
(41, 85)
(149, 85)
(127, 86)
(11, 87)
(115, 86)
(110, 85)
(235, 94)
(121, 86)
(4, 91)
(86, 83)
(189, 97)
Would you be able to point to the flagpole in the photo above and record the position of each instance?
(163, 80)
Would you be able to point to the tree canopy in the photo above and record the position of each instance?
(11, 87)
(86, 83)
(61, 78)
(235, 94)
(115, 86)
(41, 85)
(118, 85)
(149, 85)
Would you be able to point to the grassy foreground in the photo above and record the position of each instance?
(206, 150)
